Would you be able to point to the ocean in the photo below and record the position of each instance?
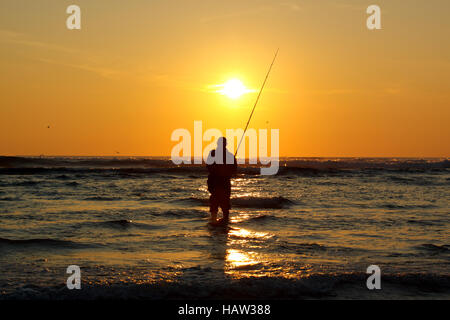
(138, 229)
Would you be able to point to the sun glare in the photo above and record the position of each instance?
(233, 88)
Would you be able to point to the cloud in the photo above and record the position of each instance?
(102, 71)
(87, 63)
(333, 92)
(393, 90)
(22, 39)
(9, 34)
(290, 5)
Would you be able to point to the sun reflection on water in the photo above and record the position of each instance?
(237, 259)
(247, 235)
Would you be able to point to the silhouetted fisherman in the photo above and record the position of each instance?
(221, 166)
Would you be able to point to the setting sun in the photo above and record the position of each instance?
(233, 89)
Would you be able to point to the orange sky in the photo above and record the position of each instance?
(137, 70)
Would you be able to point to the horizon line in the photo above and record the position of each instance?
(280, 157)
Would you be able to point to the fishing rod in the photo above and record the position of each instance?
(256, 102)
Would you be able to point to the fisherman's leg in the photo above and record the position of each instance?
(225, 205)
(213, 207)
(226, 214)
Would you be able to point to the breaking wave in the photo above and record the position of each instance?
(100, 198)
(144, 165)
(315, 286)
(44, 242)
(125, 224)
(435, 248)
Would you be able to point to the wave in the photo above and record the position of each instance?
(72, 184)
(182, 213)
(316, 286)
(99, 162)
(406, 206)
(262, 218)
(433, 248)
(44, 242)
(249, 202)
(125, 224)
(366, 163)
(412, 206)
(29, 183)
(100, 198)
(121, 223)
(417, 180)
(425, 222)
(313, 248)
(152, 165)
(301, 247)
(10, 199)
(262, 202)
